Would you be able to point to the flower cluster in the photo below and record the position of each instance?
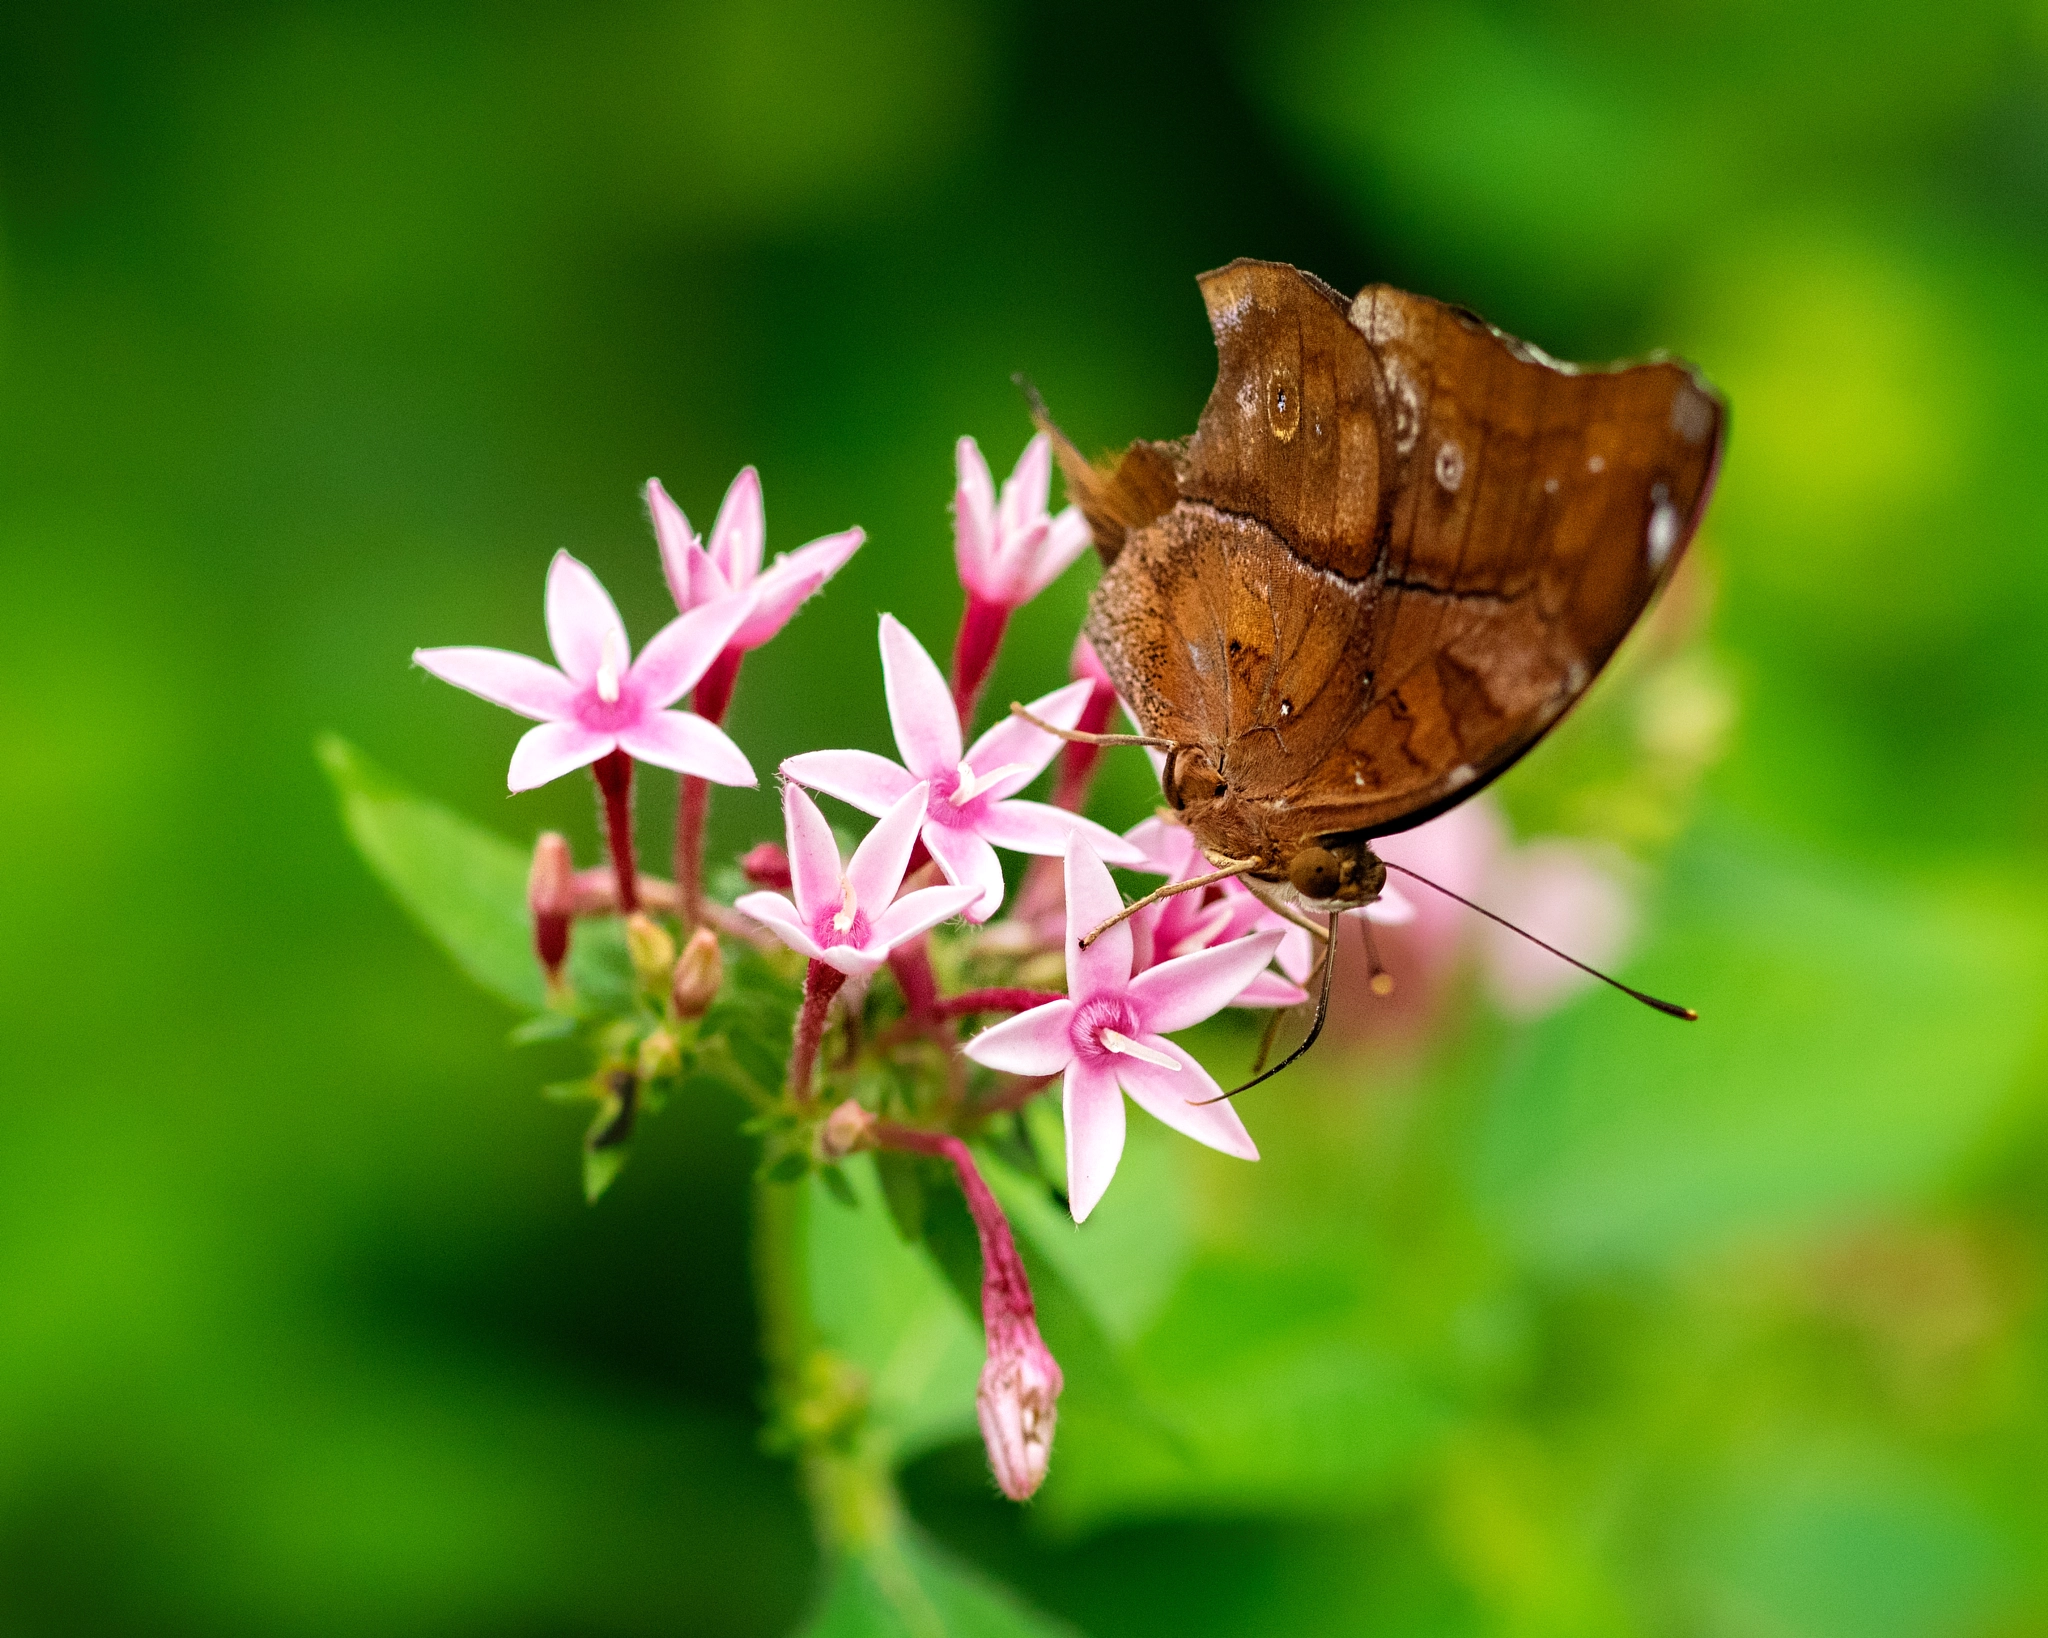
(945, 811)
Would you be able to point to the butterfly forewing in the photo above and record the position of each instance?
(1405, 544)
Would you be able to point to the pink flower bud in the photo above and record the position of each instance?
(768, 866)
(1017, 1403)
(700, 973)
(847, 1128)
(551, 895)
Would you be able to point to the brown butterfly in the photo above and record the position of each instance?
(1398, 547)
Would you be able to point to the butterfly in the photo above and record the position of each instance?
(1397, 549)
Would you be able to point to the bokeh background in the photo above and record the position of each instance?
(323, 325)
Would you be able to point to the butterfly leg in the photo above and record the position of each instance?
(1236, 868)
(1314, 1029)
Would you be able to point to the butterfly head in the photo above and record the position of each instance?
(1336, 873)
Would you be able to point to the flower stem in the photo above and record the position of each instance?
(821, 983)
(693, 806)
(911, 964)
(995, 1000)
(1077, 758)
(982, 624)
(614, 773)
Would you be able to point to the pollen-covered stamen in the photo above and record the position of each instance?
(612, 661)
(842, 921)
(970, 786)
(1116, 1041)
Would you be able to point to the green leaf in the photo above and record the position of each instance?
(464, 885)
(1856, 1039)
(909, 1588)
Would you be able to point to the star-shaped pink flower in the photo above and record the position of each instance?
(969, 811)
(602, 699)
(1010, 550)
(846, 918)
(732, 562)
(1109, 1035)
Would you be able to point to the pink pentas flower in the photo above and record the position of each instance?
(1108, 1037)
(731, 563)
(1010, 549)
(970, 809)
(850, 918)
(602, 699)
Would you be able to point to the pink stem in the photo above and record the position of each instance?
(1005, 1291)
(974, 652)
(614, 773)
(821, 983)
(1077, 761)
(712, 697)
(995, 1000)
(911, 963)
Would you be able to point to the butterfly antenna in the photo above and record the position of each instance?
(1078, 737)
(1670, 1009)
(1314, 1029)
(1237, 868)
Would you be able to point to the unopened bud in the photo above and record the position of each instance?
(700, 974)
(768, 866)
(551, 896)
(1017, 1404)
(847, 1128)
(652, 950)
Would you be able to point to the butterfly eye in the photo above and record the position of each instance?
(1315, 873)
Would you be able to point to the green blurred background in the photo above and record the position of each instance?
(322, 326)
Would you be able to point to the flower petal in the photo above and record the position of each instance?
(1104, 968)
(682, 651)
(581, 619)
(1013, 742)
(1180, 993)
(1094, 1110)
(876, 870)
(813, 854)
(1175, 1098)
(1027, 827)
(1037, 1042)
(516, 681)
(780, 917)
(1164, 847)
(921, 707)
(1270, 990)
(1066, 538)
(852, 960)
(1392, 908)
(790, 579)
(692, 577)
(860, 779)
(968, 861)
(1027, 488)
(740, 531)
(918, 912)
(685, 743)
(551, 750)
(974, 516)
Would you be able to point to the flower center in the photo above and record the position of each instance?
(846, 925)
(848, 910)
(1105, 1026)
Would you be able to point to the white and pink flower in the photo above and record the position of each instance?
(850, 918)
(601, 699)
(971, 808)
(1108, 1036)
